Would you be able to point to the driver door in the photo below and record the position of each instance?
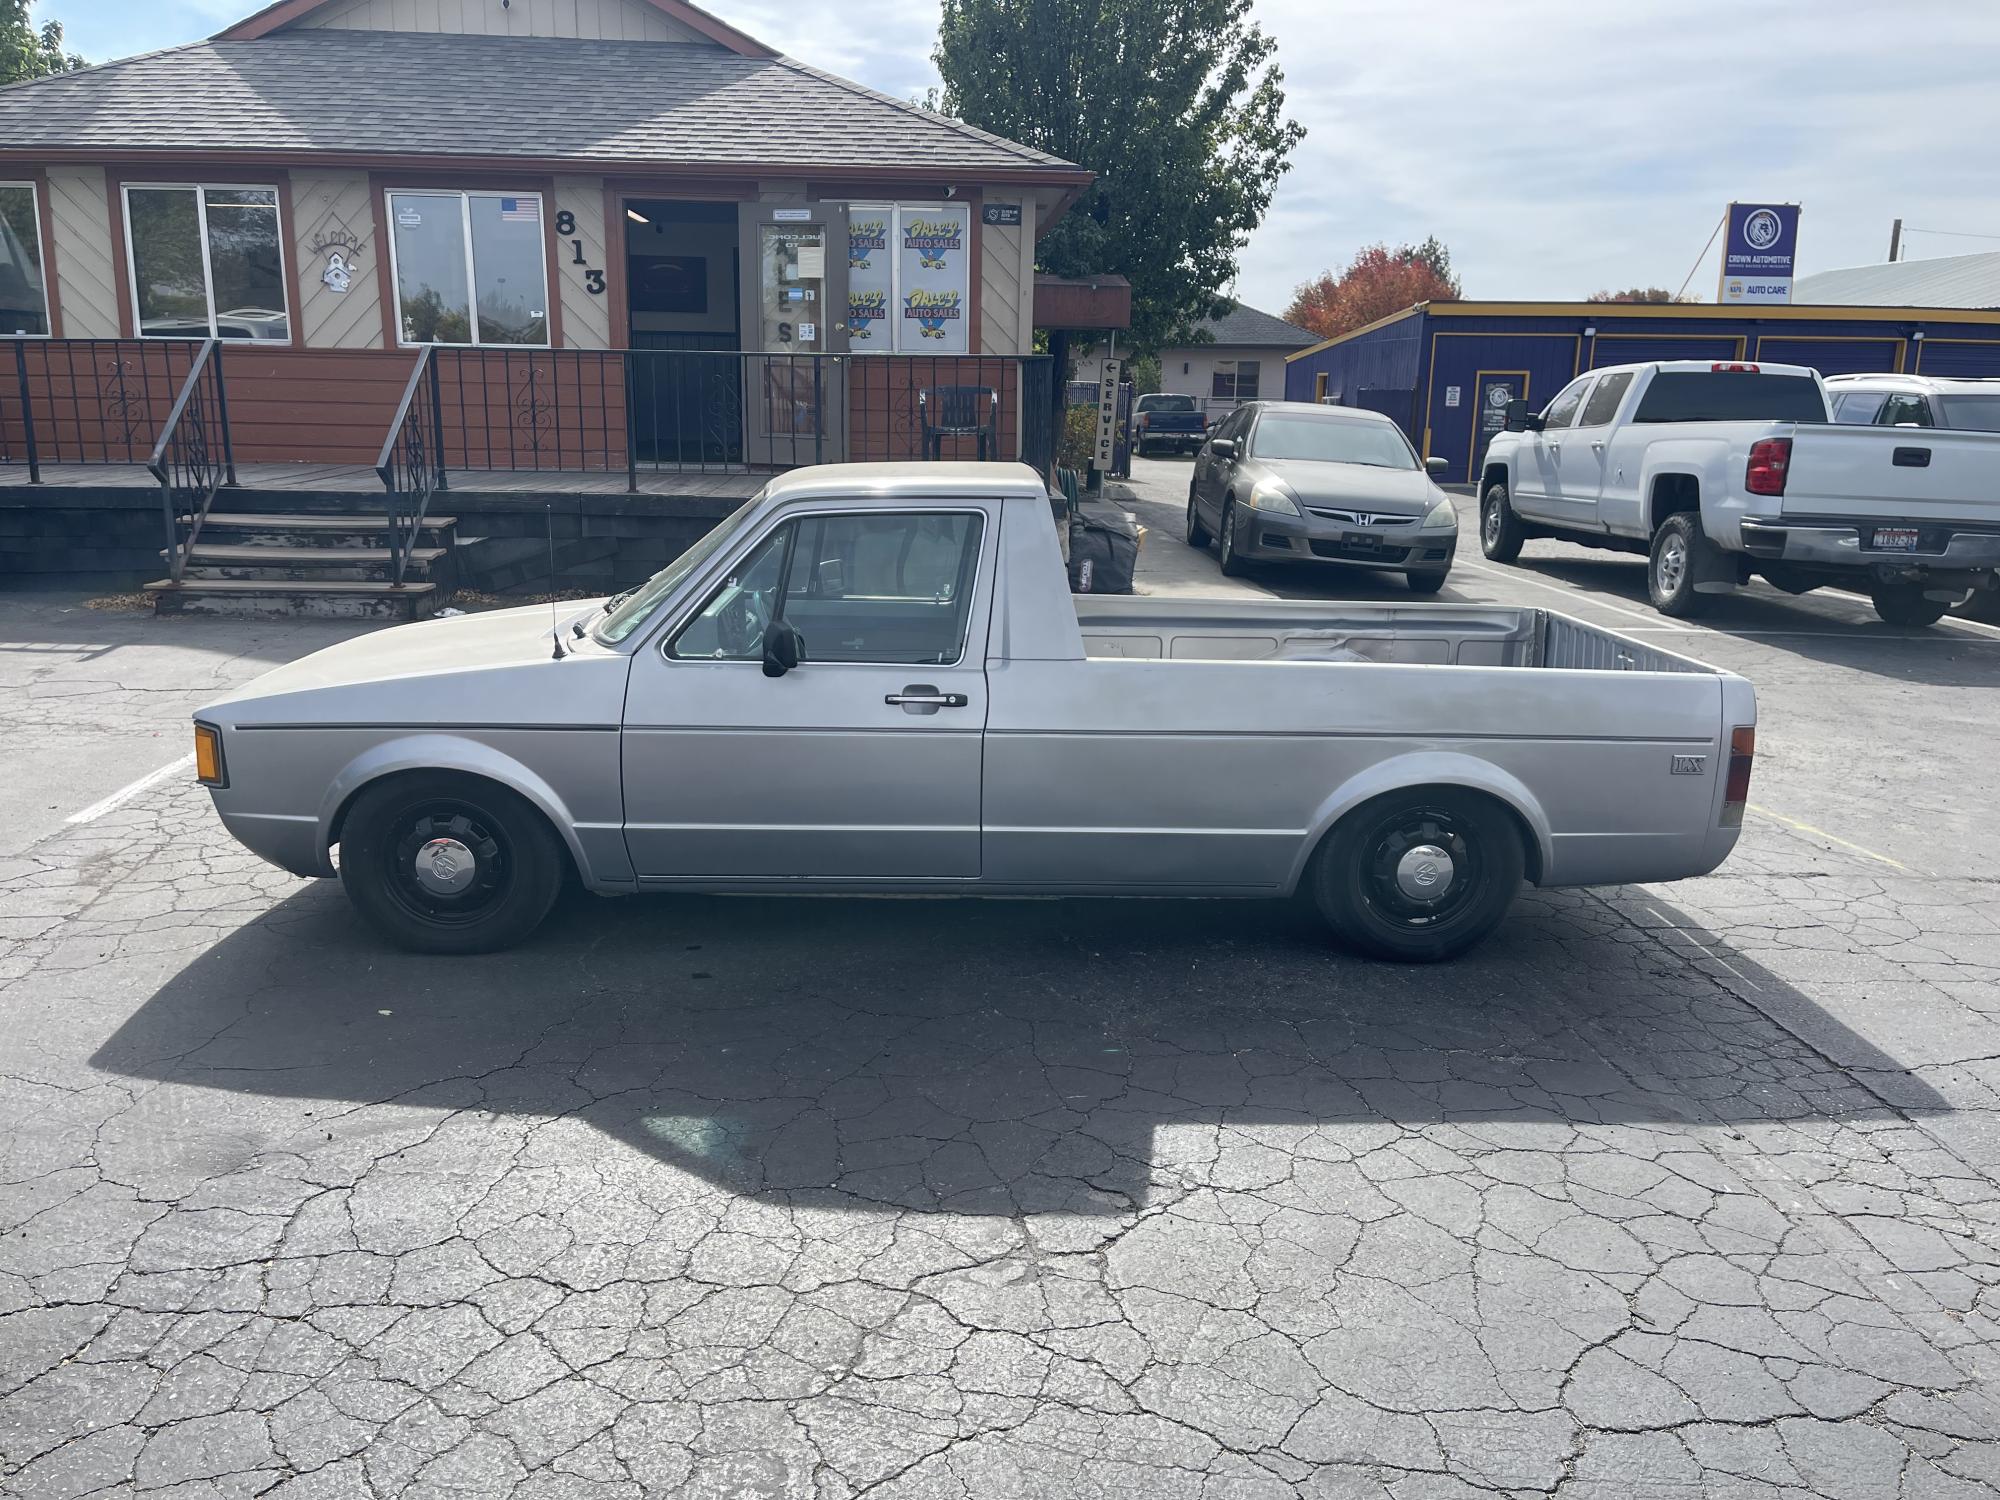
(862, 762)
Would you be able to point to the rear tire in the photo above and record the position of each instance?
(1670, 567)
(1420, 875)
(1232, 565)
(1905, 604)
(1500, 530)
(440, 863)
(1425, 583)
(1197, 534)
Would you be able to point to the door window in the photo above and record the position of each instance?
(1858, 408)
(1562, 410)
(1899, 410)
(885, 587)
(1603, 403)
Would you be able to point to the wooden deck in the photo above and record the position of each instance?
(363, 482)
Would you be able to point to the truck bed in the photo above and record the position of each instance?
(1463, 635)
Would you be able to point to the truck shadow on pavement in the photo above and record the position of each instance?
(986, 1058)
(1831, 629)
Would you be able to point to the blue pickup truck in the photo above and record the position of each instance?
(1163, 423)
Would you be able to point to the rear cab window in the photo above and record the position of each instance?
(1730, 396)
(1166, 403)
(1904, 410)
(1972, 413)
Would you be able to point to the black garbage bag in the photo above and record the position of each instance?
(1103, 552)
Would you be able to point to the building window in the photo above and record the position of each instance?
(1234, 380)
(909, 274)
(24, 298)
(470, 268)
(206, 262)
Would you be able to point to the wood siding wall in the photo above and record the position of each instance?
(332, 204)
(602, 20)
(586, 316)
(1007, 280)
(86, 281)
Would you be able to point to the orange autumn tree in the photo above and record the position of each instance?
(1379, 281)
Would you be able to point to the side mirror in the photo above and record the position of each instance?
(1517, 415)
(783, 648)
(1437, 465)
(1223, 447)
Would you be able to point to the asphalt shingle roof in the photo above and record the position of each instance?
(1947, 281)
(407, 94)
(1246, 325)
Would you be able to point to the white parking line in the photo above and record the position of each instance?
(1575, 596)
(131, 789)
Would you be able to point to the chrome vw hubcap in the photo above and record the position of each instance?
(1425, 873)
(445, 866)
(1673, 564)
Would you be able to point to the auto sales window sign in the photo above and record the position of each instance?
(1758, 250)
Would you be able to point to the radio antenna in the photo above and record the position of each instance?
(555, 625)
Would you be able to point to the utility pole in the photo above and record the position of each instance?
(1895, 241)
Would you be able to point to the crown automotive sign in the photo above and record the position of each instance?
(1759, 247)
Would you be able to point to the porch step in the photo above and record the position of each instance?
(243, 520)
(301, 564)
(326, 598)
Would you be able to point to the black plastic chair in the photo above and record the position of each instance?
(959, 411)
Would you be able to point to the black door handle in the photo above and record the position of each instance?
(923, 695)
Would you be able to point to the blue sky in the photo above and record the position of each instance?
(1557, 146)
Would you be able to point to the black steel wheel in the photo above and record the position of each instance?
(1419, 875)
(439, 863)
(1197, 534)
(1905, 604)
(1500, 530)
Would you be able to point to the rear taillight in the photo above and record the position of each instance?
(1736, 791)
(1769, 459)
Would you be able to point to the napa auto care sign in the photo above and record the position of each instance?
(1761, 243)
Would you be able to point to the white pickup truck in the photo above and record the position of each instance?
(1722, 472)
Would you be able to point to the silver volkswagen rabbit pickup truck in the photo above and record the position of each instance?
(872, 678)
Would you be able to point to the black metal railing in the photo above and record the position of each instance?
(691, 410)
(411, 464)
(193, 457)
(90, 401)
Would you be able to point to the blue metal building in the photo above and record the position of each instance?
(1446, 370)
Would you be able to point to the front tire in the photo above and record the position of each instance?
(1418, 876)
(1500, 530)
(1425, 583)
(1232, 565)
(1670, 567)
(1905, 604)
(1197, 534)
(439, 863)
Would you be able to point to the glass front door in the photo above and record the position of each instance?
(795, 297)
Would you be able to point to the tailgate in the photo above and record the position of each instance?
(1894, 474)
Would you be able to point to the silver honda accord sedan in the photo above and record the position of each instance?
(1291, 481)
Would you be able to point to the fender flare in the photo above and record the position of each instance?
(443, 751)
(1429, 768)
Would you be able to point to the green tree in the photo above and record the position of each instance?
(29, 52)
(1176, 105)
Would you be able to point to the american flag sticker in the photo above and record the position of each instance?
(521, 210)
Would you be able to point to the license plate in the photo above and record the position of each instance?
(1896, 539)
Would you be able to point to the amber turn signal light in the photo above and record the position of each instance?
(208, 756)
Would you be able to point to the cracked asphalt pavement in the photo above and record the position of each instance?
(1684, 1190)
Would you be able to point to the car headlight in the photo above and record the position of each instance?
(1441, 517)
(1271, 497)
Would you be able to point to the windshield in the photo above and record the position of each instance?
(1972, 413)
(1166, 403)
(628, 610)
(1333, 440)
